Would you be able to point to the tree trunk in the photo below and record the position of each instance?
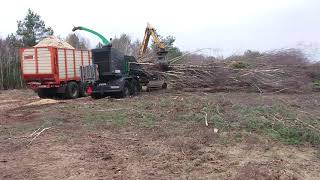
(1, 73)
(9, 72)
(19, 71)
(14, 74)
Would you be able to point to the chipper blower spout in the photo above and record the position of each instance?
(103, 39)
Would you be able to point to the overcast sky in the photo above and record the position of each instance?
(230, 25)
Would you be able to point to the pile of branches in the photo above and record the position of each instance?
(280, 71)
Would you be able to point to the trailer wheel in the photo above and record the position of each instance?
(42, 93)
(46, 92)
(72, 90)
(84, 89)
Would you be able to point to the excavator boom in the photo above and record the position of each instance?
(104, 40)
(150, 31)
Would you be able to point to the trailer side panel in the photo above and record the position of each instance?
(58, 64)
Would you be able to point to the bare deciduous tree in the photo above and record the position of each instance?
(10, 73)
(77, 41)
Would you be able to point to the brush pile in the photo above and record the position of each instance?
(281, 71)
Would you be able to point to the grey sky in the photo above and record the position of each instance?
(230, 25)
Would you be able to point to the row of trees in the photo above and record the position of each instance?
(10, 74)
(77, 41)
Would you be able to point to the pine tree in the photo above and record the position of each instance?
(32, 29)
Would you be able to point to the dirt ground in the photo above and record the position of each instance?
(157, 135)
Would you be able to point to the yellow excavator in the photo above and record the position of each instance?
(161, 46)
(161, 60)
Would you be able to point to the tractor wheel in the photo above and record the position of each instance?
(84, 89)
(72, 90)
(164, 86)
(96, 96)
(135, 87)
(125, 92)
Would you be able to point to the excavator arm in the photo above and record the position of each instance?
(150, 31)
(104, 40)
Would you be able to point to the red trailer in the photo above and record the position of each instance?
(51, 70)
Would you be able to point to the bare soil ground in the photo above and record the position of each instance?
(161, 135)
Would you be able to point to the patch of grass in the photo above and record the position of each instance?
(190, 116)
(316, 85)
(316, 82)
(166, 103)
(277, 122)
(18, 129)
(48, 119)
(52, 121)
(118, 118)
(147, 120)
(293, 135)
(145, 105)
(219, 122)
(238, 136)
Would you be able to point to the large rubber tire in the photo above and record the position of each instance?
(96, 96)
(148, 89)
(135, 87)
(72, 90)
(46, 92)
(125, 92)
(164, 86)
(42, 93)
(84, 89)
